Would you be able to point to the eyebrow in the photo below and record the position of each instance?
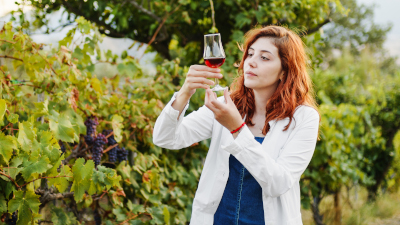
(262, 51)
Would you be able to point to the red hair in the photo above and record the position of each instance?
(293, 90)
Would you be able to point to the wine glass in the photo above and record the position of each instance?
(214, 55)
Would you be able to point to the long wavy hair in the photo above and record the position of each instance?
(293, 90)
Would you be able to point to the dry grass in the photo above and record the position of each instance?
(356, 210)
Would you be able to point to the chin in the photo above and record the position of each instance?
(250, 84)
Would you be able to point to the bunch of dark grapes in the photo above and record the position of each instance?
(13, 219)
(91, 125)
(112, 154)
(98, 147)
(122, 154)
(62, 146)
(97, 217)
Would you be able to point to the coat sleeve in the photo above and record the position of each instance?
(276, 177)
(172, 133)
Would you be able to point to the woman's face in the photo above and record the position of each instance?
(262, 68)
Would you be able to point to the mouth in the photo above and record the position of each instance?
(249, 73)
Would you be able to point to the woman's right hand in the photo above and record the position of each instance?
(197, 78)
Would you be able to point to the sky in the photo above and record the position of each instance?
(386, 11)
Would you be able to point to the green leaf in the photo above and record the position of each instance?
(7, 144)
(117, 127)
(37, 167)
(96, 85)
(3, 107)
(104, 178)
(3, 204)
(60, 217)
(82, 174)
(120, 213)
(14, 168)
(42, 108)
(166, 215)
(26, 134)
(62, 129)
(65, 176)
(12, 118)
(26, 205)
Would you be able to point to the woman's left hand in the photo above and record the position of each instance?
(225, 113)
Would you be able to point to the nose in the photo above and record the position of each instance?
(251, 62)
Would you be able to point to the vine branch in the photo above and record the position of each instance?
(212, 12)
(10, 57)
(11, 42)
(15, 183)
(158, 29)
(109, 148)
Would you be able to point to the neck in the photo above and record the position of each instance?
(261, 98)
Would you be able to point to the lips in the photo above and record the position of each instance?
(249, 73)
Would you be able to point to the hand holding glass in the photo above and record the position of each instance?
(214, 55)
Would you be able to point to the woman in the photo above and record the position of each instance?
(263, 134)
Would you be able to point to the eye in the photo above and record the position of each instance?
(249, 54)
(264, 58)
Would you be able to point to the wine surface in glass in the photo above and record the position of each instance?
(214, 62)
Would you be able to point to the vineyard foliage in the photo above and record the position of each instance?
(46, 158)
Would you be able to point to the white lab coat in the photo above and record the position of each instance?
(276, 164)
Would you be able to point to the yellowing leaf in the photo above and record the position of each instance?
(26, 135)
(96, 85)
(41, 108)
(117, 127)
(7, 145)
(3, 108)
(82, 174)
(62, 129)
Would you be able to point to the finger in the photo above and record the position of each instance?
(197, 85)
(205, 74)
(205, 68)
(200, 80)
(214, 101)
(227, 96)
(208, 103)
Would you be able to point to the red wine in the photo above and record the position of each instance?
(214, 62)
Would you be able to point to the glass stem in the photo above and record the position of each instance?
(216, 82)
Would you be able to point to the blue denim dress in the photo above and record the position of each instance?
(241, 203)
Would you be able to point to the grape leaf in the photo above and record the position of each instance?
(3, 204)
(104, 177)
(26, 205)
(62, 129)
(14, 168)
(166, 215)
(60, 217)
(7, 144)
(82, 174)
(61, 183)
(36, 167)
(26, 135)
(49, 146)
(96, 85)
(13, 118)
(3, 107)
(117, 127)
(41, 108)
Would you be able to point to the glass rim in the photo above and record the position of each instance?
(212, 34)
